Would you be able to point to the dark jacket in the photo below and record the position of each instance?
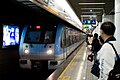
(95, 45)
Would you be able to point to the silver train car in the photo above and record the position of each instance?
(41, 46)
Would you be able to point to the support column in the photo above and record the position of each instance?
(117, 19)
(108, 18)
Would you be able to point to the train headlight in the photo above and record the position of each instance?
(49, 52)
(26, 51)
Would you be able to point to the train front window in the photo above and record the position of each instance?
(49, 37)
(33, 36)
(41, 36)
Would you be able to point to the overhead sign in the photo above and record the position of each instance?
(86, 21)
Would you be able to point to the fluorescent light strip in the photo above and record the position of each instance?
(91, 12)
(89, 3)
(32, 5)
(27, 3)
(90, 8)
(88, 15)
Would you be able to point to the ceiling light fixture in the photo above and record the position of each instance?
(88, 15)
(91, 8)
(90, 12)
(89, 3)
(27, 3)
(32, 5)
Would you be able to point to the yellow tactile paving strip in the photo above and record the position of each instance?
(78, 68)
(74, 69)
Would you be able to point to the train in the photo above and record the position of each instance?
(48, 45)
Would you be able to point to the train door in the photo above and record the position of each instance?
(64, 42)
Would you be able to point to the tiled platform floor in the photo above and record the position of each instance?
(89, 76)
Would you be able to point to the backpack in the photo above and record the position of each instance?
(114, 74)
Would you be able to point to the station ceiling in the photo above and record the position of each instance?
(92, 7)
(83, 8)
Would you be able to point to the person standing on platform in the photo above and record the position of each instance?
(106, 54)
(95, 45)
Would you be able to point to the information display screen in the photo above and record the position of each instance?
(10, 35)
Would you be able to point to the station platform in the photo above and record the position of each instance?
(78, 67)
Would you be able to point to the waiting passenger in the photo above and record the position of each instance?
(95, 68)
(95, 45)
(106, 54)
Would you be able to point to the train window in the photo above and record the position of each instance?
(49, 37)
(33, 36)
(40, 36)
